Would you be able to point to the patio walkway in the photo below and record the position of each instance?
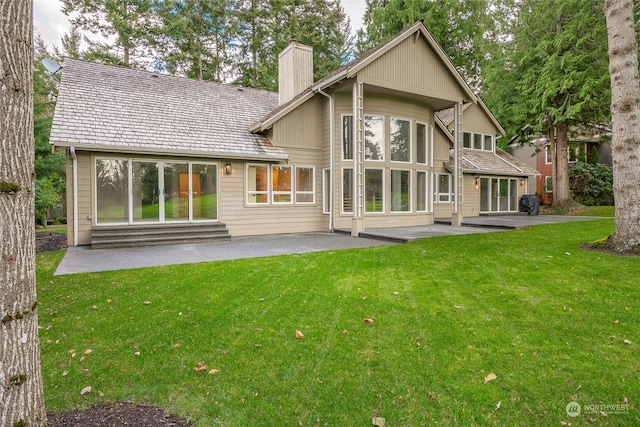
(83, 259)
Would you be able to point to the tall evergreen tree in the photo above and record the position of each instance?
(555, 77)
(126, 24)
(194, 37)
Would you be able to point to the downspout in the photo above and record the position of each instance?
(331, 107)
(72, 150)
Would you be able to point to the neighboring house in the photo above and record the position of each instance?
(361, 148)
(536, 152)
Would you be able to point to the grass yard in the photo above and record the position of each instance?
(551, 322)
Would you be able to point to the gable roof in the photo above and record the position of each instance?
(352, 68)
(446, 115)
(110, 108)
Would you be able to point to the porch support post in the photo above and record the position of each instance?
(456, 217)
(357, 223)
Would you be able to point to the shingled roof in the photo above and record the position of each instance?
(490, 163)
(108, 108)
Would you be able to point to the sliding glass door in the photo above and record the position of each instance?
(498, 195)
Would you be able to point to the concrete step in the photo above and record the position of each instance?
(121, 236)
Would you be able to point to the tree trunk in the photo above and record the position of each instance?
(625, 118)
(21, 396)
(561, 189)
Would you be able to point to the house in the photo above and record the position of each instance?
(590, 145)
(154, 158)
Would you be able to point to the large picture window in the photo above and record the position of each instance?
(400, 191)
(112, 191)
(160, 191)
(374, 190)
(276, 184)
(374, 146)
(400, 140)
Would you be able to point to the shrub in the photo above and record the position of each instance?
(591, 184)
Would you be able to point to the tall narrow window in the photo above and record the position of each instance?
(444, 188)
(281, 184)
(347, 137)
(146, 196)
(374, 138)
(400, 192)
(477, 141)
(374, 190)
(421, 191)
(513, 195)
(204, 191)
(421, 144)
(400, 142)
(548, 157)
(326, 191)
(257, 184)
(304, 185)
(488, 143)
(112, 191)
(347, 190)
(466, 139)
(485, 194)
(176, 191)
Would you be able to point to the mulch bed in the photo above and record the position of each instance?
(50, 241)
(117, 415)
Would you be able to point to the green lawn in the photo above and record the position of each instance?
(607, 211)
(552, 322)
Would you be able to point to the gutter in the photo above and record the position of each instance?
(331, 130)
(72, 150)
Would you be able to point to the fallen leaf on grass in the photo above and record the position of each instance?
(88, 351)
(299, 335)
(378, 422)
(625, 400)
(498, 404)
(368, 320)
(85, 390)
(213, 371)
(432, 395)
(627, 342)
(201, 367)
(490, 377)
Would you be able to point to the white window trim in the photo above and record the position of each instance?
(326, 191)
(547, 153)
(426, 190)
(282, 193)
(437, 193)
(343, 158)
(410, 191)
(493, 142)
(470, 147)
(161, 195)
(411, 137)
(384, 191)
(546, 187)
(295, 185)
(385, 143)
(427, 134)
(342, 211)
(254, 192)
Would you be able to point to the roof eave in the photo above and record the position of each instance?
(165, 152)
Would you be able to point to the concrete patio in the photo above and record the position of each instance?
(82, 259)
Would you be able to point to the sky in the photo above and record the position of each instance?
(51, 23)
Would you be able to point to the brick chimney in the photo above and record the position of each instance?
(295, 70)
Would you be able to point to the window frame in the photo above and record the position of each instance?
(438, 193)
(343, 135)
(351, 189)
(408, 193)
(383, 191)
(491, 143)
(311, 192)
(384, 139)
(409, 143)
(427, 132)
(467, 143)
(248, 192)
(275, 193)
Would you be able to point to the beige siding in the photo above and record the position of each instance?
(405, 68)
(475, 119)
(301, 127)
(471, 198)
(85, 198)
